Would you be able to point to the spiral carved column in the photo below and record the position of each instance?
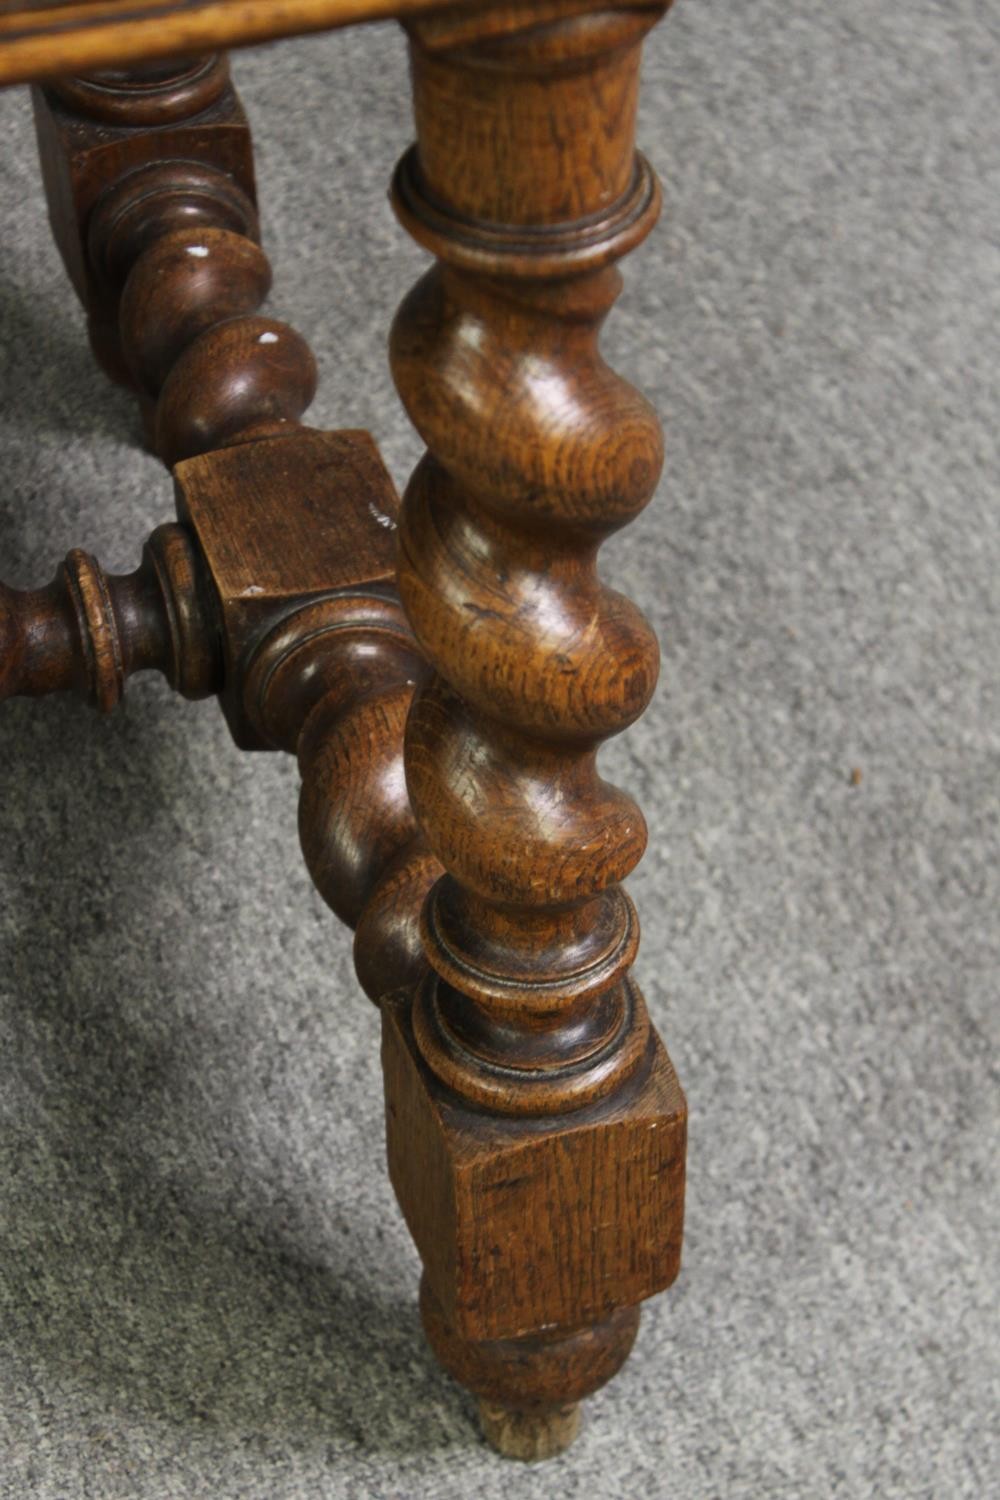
(306, 645)
(149, 175)
(532, 1109)
(332, 684)
(320, 661)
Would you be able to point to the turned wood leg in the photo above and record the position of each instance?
(535, 1127)
(305, 643)
(89, 631)
(149, 178)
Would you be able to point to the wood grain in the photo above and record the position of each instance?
(88, 631)
(49, 40)
(298, 538)
(152, 152)
(536, 1130)
(151, 195)
(56, 37)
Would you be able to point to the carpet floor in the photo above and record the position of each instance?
(205, 1286)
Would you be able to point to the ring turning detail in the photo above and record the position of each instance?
(445, 670)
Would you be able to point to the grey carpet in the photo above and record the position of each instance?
(205, 1287)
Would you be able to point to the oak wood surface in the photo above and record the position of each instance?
(48, 38)
(149, 177)
(150, 185)
(536, 1129)
(275, 592)
(88, 631)
(52, 37)
(297, 540)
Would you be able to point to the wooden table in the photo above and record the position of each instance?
(535, 1128)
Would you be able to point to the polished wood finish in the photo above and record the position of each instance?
(305, 643)
(445, 698)
(52, 38)
(298, 537)
(88, 631)
(528, 1223)
(536, 1129)
(107, 145)
(46, 38)
(149, 177)
(164, 254)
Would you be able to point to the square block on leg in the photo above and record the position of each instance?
(527, 1224)
(279, 522)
